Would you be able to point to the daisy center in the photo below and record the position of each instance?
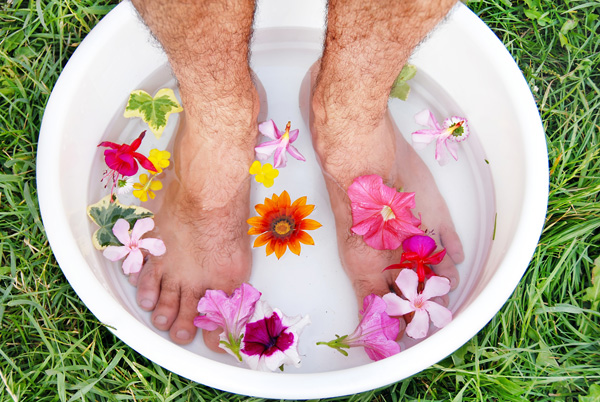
(283, 227)
(387, 213)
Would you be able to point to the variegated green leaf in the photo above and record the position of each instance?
(155, 111)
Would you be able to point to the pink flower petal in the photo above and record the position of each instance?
(407, 281)
(269, 129)
(426, 118)
(452, 148)
(294, 152)
(121, 231)
(421, 138)
(293, 135)
(155, 247)
(115, 253)
(419, 326)
(422, 245)
(436, 286)
(280, 157)
(141, 227)
(439, 315)
(266, 149)
(133, 263)
(396, 305)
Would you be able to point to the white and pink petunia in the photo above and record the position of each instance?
(133, 244)
(280, 146)
(447, 136)
(230, 313)
(420, 303)
(382, 214)
(271, 339)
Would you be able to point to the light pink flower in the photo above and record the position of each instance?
(376, 331)
(133, 244)
(419, 303)
(231, 313)
(381, 214)
(271, 339)
(282, 143)
(453, 131)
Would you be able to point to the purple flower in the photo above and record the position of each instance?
(133, 244)
(419, 303)
(282, 143)
(376, 331)
(231, 313)
(453, 131)
(271, 339)
(417, 253)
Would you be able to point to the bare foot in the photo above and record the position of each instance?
(347, 151)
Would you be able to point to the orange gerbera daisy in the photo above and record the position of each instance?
(282, 224)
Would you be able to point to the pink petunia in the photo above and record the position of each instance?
(420, 303)
(281, 144)
(417, 254)
(271, 339)
(376, 331)
(231, 313)
(447, 136)
(381, 214)
(133, 245)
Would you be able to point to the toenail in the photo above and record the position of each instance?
(183, 335)
(160, 320)
(147, 304)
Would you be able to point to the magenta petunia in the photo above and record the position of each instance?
(381, 214)
(420, 303)
(447, 136)
(133, 245)
(271, 339)
(281, 144)
(376, 331)
(418, 254)
(231, 313)
(124, 159)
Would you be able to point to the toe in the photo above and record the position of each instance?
(183, 329)
(372, 284)
(211, 339)
(148, 284)
(451, 242)
(167, 307)
(447, 269)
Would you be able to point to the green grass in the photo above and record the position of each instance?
(544, 344)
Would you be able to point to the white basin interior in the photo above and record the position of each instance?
(496, 193)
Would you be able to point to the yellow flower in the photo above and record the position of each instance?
(160, 159)
(146, 187)
(264, 174)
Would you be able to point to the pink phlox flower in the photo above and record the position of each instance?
(133, 245)
(376, 332)
(381, 214)
(447, 136)
(417, 254)
(420, 303)
(281, 144)
(271, 339)
(231, 313)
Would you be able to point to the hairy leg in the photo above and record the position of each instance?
(366, 46)
(203, 218)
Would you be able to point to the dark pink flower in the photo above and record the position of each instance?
(231, 313)
(381, 214)
(376, 331)
(418, 254)
(124, 159)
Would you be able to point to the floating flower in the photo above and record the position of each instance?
(133, 244)
(281, 225)
(124, 186)
(376, 331)
(146, 187)
(417, 254)
(265, 174)
(231, 313)
(453, 131)
(282, 143)
(160, 159)
(381, 214)
(123, 159)
(419, 303)
(271, 339)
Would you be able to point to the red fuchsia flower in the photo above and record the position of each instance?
(376, 331)
(271, 339)
(420, 303)
(230, 313)
(282, 143)
(381, 214)
(447, 136)
(418, 254)
(133, 245)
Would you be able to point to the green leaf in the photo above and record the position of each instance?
(593, 395)
(592, 293)
(105, 214)
(154, 111)
(400, 88)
